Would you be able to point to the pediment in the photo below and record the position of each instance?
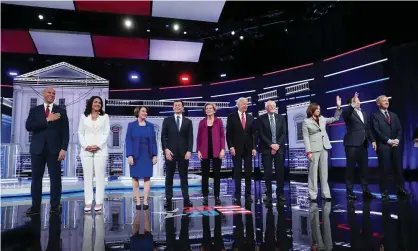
(61, 73)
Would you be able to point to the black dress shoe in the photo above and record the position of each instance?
(138, 207)
(187, 203)
(328, 199)
(33, 211)
(403, 193)
(217, 201)
(145, 207)
(351, 196)
(55, 210)
(168, 204)
(236, 201)
(281, 198)
(368, 195)
(205, 200)
(385, 195)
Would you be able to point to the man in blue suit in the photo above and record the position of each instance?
(48, 124)
(387, 131)
(356, 144)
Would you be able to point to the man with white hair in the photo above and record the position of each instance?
(241, 143)
(387, 131)
(272, 131)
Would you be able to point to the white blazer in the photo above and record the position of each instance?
(93, 133)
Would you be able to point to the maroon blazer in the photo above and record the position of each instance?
(218, 137)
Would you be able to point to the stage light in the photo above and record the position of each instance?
(223, 75)
(185, 79)
(128, 23)
(148, 30)
(134, 77)
(241, 37)
(185, 32)
(49, 23)
(41, 17)
(216, 29)
(13, 73)
(176, 27)
(232, 33)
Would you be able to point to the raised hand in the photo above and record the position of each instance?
(338, 102)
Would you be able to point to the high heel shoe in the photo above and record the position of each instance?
(98, 207)
(87, 208)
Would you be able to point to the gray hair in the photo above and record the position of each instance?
(241, 99)
(380, 97)
(268, 102)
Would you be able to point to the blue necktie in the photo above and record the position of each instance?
(178, 123)
(273, 129)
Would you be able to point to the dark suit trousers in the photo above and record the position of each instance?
(54, 169)
(356, 155)
(216, 167)
(170, 168)
(390, 158)
(237, 159)
(278, 159)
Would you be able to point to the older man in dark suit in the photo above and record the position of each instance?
(241, 142)
(356, 144)
(50, 135)
(387, 131)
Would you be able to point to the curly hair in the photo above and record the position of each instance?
(89, 105)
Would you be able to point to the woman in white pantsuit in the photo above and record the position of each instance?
(317, 144)
(93, 131)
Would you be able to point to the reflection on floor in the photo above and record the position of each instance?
(296, 224)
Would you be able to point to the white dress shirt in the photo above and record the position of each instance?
(180, 119)
(50, 107)
(359, 113)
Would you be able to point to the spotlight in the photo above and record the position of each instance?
(176, 27)
(148, 30)
(185, 78)
(185, 32)
(223, 75)
(128, 23)
(241, 37)
(13, 73)
(232, 33)
(134, 77)
(216, 29)
(41, 17)
(49, 23)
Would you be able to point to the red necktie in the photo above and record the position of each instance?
(243, 120)
(387, 117)
(47, 111)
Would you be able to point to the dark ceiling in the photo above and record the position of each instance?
(276, 35)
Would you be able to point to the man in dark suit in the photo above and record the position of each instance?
(241, 143)
(356, 144)
(48, 124)
(387, 131)
(177, 142)
(272, 131)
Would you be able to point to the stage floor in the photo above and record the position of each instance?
(296, 224)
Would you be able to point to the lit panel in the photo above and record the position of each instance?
(16, 41)
(208, 11)
(142, 7)
(65, 5)
(175, 50)
(120, 47)
(63, 43)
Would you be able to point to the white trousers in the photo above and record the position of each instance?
(319, 161)
(98, 164)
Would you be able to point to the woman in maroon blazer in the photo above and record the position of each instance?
(211, 146)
